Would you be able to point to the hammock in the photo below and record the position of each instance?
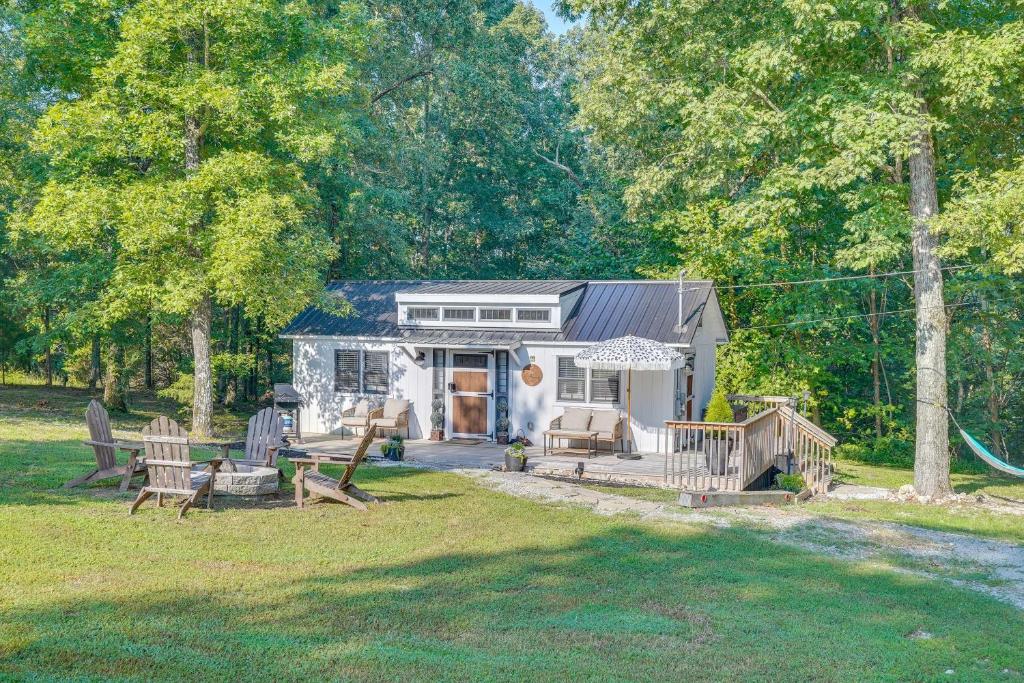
(978, 448)
(992, 460)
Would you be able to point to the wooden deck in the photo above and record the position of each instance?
(649, 470)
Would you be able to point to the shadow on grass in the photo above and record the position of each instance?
(626, 603)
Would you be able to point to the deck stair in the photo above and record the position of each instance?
(710, 456)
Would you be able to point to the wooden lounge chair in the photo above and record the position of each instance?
(264, 438)
(341, 489)
(105, 448)
(170, 467)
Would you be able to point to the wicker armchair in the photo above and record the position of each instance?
(358, 416)
(608, 425)
(392, 417)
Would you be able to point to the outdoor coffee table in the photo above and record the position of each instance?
(562, 435)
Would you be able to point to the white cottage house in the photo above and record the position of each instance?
(479, 345)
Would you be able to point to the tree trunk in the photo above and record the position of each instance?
(427, 204)
(876, 360)
(931, 457)
(94, 363)
(231, 389)
(115, 382)
(148, 360)
(270, 366)
(202, 390)
(994, 401)
(49, 351)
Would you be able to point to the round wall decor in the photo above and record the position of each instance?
(532, 375)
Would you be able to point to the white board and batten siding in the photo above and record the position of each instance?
(531, 409)
(313, 378)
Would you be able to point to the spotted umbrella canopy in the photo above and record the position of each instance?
(629, 353)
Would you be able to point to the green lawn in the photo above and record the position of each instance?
(446, 581)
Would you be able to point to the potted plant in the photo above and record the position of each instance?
(437, 419)
(515, 457)
(503, 421)
(719, 444)
(393, 448)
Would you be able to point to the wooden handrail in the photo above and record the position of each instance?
(696, 451)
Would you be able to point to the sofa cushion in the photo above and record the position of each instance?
(384, 422)
(353, 421)
(575, 420)
(394, 407)
(604, 421)
(362, 408)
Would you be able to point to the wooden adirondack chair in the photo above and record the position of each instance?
(263, 440)
(105, 448)
(170, 467)
(341, 489)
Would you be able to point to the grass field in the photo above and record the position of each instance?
(446, 581)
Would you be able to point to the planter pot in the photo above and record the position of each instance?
(503, 438)
(514, 464)
(437, 435)
(396, 453)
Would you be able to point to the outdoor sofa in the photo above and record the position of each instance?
(586, 424)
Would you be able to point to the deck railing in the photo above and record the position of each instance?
(703, 456)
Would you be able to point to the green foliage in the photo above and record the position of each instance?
(393, 444)
(719, 409)
(774, 148)
(894, 451)
(179, 391)
(793, 483)
(516, 450)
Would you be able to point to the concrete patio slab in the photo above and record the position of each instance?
(649, 470)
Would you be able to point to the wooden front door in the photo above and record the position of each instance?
(471, 393)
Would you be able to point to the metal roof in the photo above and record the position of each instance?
(606, 309)
(553, 287)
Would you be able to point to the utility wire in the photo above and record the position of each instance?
(839, 278)
(868, 315)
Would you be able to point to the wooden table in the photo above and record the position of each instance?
(562, 434)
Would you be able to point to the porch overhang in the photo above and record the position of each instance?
(414, 347)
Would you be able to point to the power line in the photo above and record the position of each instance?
(868, 315)
(839, 278)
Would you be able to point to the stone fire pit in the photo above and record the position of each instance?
(245, 480)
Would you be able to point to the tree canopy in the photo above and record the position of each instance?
(177, 180)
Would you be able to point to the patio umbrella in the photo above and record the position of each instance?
(629, 353)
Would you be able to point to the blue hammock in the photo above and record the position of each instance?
(985, 455)
(978, 448)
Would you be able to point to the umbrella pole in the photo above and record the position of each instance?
(629, 418)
